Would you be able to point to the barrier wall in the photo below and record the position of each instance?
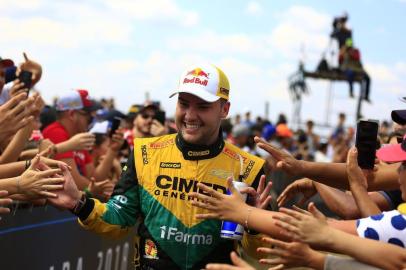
(48, 239)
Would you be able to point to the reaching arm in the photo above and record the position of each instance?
(332, 174)
(359, 185)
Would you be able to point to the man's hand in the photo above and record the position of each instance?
(17, 88)
(39, 182)
(101, 189)
(259, 198)
(288, 254)
(304, 186)
(31, 66)
(305, 226)
(70, 195)
(283, 160)
(355, 175)
(220, 206)
(4, 202)
(82, 141)
(157, 129)
(117, 140)
(238, 264)
(14, 115)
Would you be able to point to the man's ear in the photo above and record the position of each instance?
(225, 108)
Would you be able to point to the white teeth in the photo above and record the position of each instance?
(192, 126)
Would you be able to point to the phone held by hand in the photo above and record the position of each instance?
(160, 116)
(115, 124)
(366, 142)
(25, 77)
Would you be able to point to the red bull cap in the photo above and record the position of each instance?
(207, 81)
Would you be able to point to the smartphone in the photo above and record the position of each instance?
(115, 124)
(366, 142)
(160, 116)
(25, 77)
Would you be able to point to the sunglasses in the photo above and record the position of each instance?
(146, 116)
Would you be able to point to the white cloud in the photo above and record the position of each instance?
(157, 10)
(211, 42)
(301, 26)
(254, 8)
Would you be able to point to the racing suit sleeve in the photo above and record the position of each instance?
(119, 214)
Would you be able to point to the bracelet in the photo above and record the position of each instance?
(249, 209)
(79, 205)
(27, 163)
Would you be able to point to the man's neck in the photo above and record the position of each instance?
(68, 125)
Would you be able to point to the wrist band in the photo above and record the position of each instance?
(249, 209)
(27, 163)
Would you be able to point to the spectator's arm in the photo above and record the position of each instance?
(332, 174)
(359, 185)
(81, 181)
(103, 170)
(17, 144)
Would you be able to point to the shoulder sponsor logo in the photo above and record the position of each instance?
(150, 250)
(163, 144)
(144, 154)
(224, 91)
(170, 165)
(198, 153)
(233, 154)
(172, 233)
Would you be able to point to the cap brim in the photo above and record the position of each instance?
(200, 94)
(391, 153)
(5, 63)
(399, 116)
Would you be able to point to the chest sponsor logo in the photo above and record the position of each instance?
(170, 165)
(223, 174)
(198, 153)
(173, 234)
(178, 187)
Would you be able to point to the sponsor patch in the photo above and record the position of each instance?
(248, 169)
(233, 154)
(151, 251)
(223, 174)
(163, 144)
(198, 153)
(224, 91)
(170, 165)
(144, 154)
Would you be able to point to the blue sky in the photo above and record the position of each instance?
(125, 48)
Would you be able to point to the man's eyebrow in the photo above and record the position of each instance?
(183, 100)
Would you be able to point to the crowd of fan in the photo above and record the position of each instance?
(39, 143)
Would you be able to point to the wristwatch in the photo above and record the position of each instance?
(79, 205)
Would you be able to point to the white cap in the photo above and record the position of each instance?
(207, 81)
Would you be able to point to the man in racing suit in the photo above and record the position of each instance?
(162, 171)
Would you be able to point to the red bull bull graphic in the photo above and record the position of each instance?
(196, 73)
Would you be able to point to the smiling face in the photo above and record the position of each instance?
(199, 121)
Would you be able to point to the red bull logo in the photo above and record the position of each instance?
(196, 73)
